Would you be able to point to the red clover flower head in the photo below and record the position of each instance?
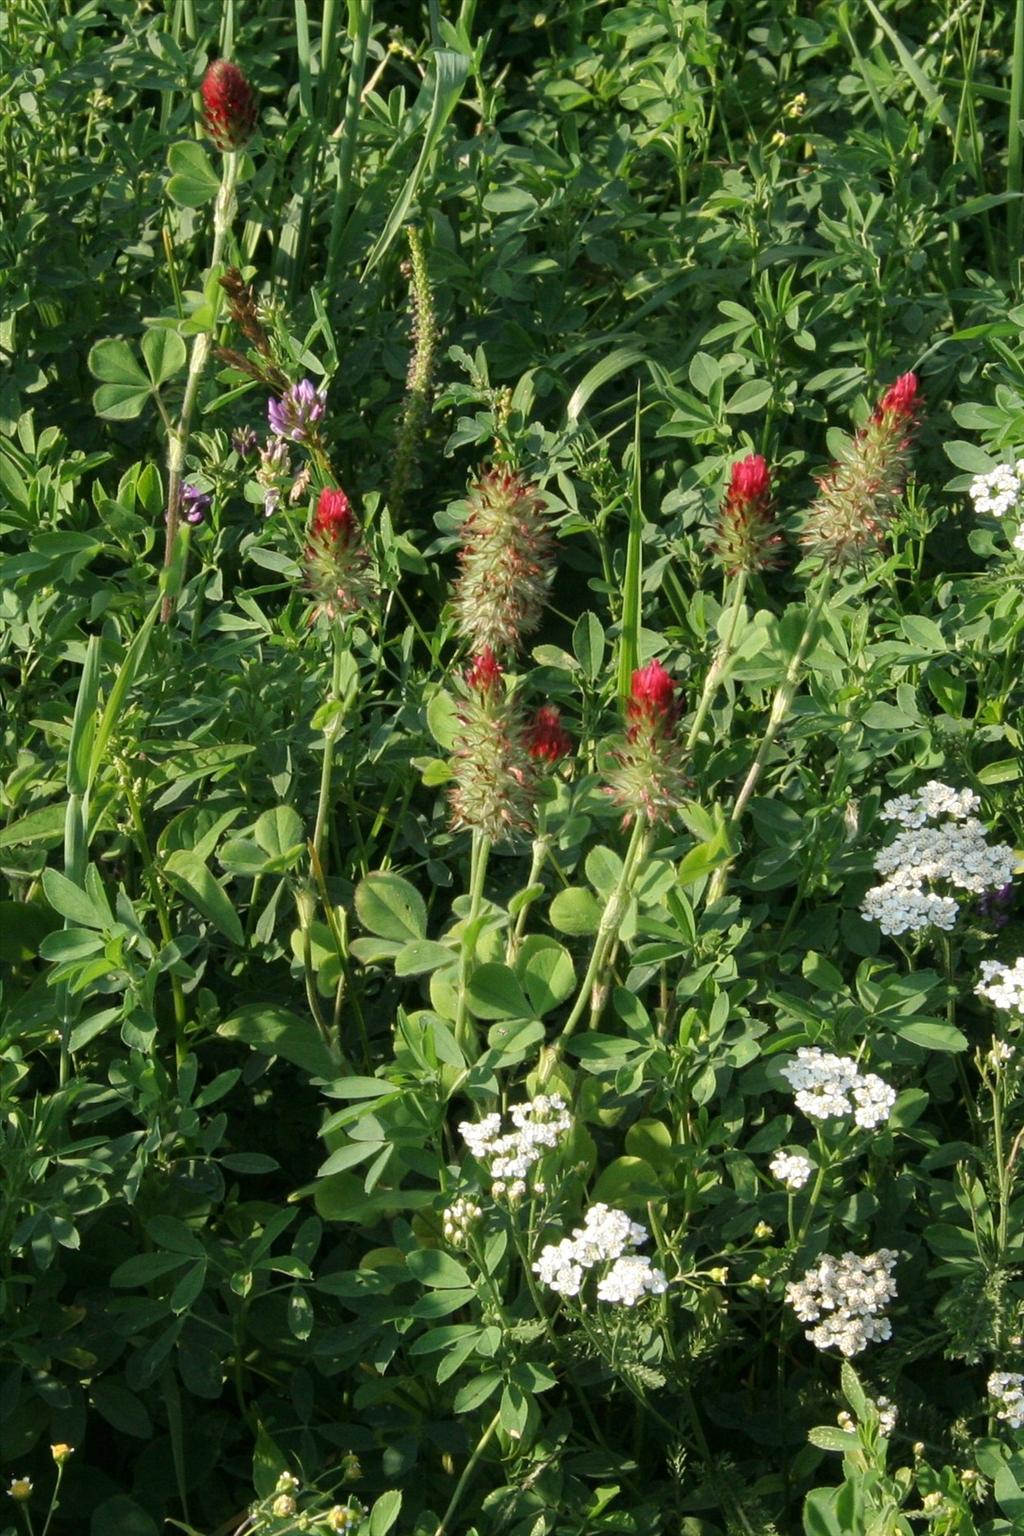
(858, 498)
(746, 538)
(546, 737)
(506, 564)
(229, 105)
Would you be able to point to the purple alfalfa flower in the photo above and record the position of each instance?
(244, 441)
(297, 411)
(994, 906)
(195, 504)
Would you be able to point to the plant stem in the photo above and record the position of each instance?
(718, 665)
(467, 1473)
(360, 18)
(541, 848)
(177, 442)
(1015, 144)
(331, 732)
(780, 709)
(162, 914)
(607, 933)
(481, 852)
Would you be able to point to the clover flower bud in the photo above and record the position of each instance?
(858, 498)
(546, 737)
(746, 538)
(506, 563)
(229, 105)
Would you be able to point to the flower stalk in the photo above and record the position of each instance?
(179, 432)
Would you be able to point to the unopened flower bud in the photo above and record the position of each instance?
(229, 105)
(718, 1276)
(762, 1230)
(283, 1505)
(61, 1452)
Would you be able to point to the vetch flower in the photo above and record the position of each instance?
(274, 473)
(746, 538)
(229, 105)
(546, 737)
(338, 568)
(506, 563)
(494, 774)
(195, 504)
(857, 499)
(294, 416)
(648, 774)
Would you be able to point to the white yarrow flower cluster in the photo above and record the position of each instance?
(998, 491)
(952, 853)
(934, 800)
(791, 1168)
(844, 1297)
(538, 1127)
(829, 1087)
(1006, 1389)
(888, 1415)
(1003, 985)
(605, 1237)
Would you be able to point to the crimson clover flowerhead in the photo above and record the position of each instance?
(506, 563)
(484, 672)
(494, 778)
(229, 105)
(339, 573)
(746, 538)
(546, 736)
(647, 773)
(858, 498)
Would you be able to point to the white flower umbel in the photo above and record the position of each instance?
(606, 1234)
(791, 1169)
(1003, 985)
(998, 491)
(629, 1280)
(888, 1414)
(925, 863)
(844, 1298)
(1006, 1389)
(539, 1126)
(829, 1087)
(606, 1237)
(558, 1267)
(929, 803)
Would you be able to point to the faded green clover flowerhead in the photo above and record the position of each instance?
(506, 562)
